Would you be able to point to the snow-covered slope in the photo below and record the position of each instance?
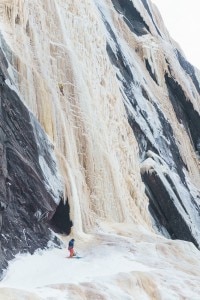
(121, 108)
(118, 262)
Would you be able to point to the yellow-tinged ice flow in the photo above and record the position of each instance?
(67, 81)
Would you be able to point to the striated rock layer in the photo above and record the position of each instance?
(121, 107)
(28, 198)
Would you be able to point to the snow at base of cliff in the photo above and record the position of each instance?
(118, 262)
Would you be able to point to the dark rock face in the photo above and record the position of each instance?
(162, 205)
(120, 62)
(150, 14)
(164, 209)
(185, 112)
(153, 76)
(169, 212)
(188, 68)
(143, 142)
(61, 222)
(27, 201)
(131, 16)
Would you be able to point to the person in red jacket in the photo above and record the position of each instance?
(71, 248)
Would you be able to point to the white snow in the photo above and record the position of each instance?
(118, 262)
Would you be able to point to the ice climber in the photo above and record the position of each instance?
(61, 88)
(71, 248)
